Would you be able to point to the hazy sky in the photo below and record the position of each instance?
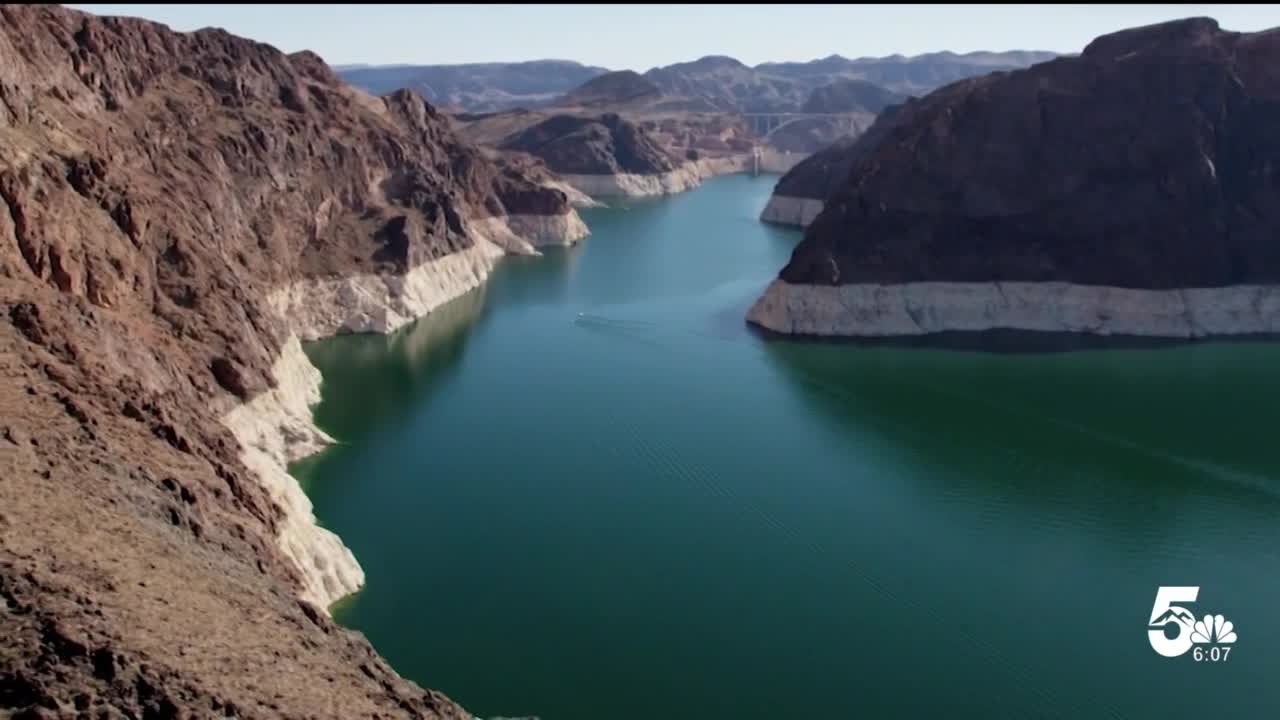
(642, 36)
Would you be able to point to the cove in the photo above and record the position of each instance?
(588, 490)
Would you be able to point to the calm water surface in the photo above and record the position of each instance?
(588, 491)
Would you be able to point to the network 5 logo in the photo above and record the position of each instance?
(1173, 630)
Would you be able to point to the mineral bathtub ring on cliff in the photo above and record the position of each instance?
(1130, 190)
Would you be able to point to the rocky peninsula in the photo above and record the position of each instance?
(607, 155)
(1130, 190)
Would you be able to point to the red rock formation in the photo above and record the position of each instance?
(157, 187)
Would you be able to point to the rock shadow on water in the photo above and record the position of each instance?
(372, 380)
(1090, 437)
(1007, 341)
(546, 279)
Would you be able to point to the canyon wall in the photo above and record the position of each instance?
(179, 210)
(798, 197)
(1129, 190)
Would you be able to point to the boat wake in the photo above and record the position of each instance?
(592, 320)
(640, 331)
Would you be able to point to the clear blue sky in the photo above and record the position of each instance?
(642, 36)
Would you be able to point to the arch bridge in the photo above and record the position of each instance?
(765, 124)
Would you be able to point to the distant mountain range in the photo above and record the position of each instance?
(723, 83)
(907, 75)
(712, 83)
(614, 89)
(479, 87)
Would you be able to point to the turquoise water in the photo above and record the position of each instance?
(588, 490)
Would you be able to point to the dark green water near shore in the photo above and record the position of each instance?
(588, 491)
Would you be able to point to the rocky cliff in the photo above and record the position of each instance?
(1130, 190)
(601, 145)
(798, 197)
(605, 155)
(629, 153)
(178, 210)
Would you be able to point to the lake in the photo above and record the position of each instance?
(588, 490)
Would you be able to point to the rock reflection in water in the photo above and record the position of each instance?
(418, 357)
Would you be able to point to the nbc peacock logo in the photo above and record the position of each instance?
(1214, 629)
(1173, 630)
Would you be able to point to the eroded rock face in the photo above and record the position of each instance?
(799, 195)
(160, 192)
(822, 173)
(604, 145)
(1148, 162)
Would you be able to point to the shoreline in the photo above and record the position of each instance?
(865, 310)
(688, 176)
(790, 210)
(277, 428)
(685, 177)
